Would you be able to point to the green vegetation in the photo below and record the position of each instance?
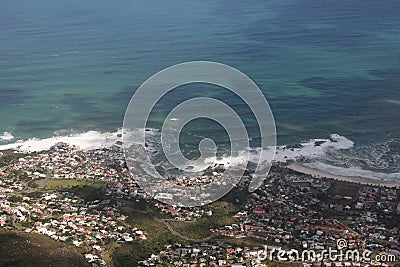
(145, 217)
(199, 229)
(89, 192)
(343, 189)
(21, 249)
(68, 183)
(141, 215)
(10, 155)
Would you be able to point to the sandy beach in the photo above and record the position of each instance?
(317, 173)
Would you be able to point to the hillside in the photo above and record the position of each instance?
(21, 249)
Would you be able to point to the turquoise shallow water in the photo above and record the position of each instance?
(325, 67)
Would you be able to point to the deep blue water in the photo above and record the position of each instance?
(325, 66)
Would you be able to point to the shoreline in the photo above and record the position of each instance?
(93, 140)
(295, 166)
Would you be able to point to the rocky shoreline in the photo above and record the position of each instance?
(115, 151)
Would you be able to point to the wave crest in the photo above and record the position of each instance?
(6, 136)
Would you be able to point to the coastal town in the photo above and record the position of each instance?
(292, 211)
(90, 199)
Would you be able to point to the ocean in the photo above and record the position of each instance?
(329, 69)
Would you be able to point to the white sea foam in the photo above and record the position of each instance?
(313, 148)
(315, 155)
(239, 159)
(6, 136)
(85, 141)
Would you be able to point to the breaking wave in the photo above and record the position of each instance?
(336, 154)
(339, 156)
(314, 148)
(6, 137)
(85, 141)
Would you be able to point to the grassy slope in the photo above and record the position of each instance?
(68, 183)
(141, 215)
(21, 249)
